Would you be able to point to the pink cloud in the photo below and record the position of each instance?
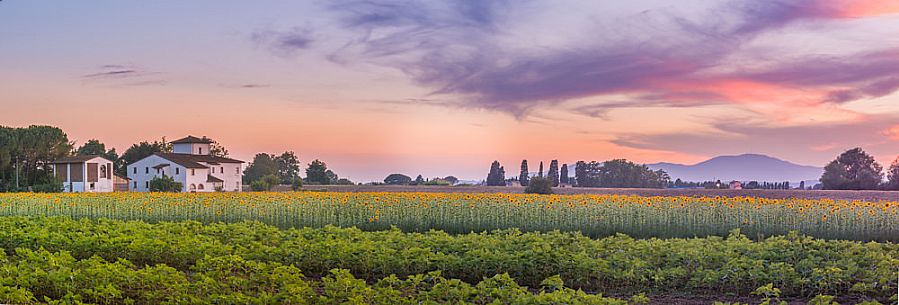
(892, 133)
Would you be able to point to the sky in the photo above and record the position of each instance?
(439, 88)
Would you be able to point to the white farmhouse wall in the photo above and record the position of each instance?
(230, 173)
(102, 185)
(142, 171)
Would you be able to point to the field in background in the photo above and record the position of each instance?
(774, 194)
(592, 215)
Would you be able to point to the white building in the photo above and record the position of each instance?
(84, 174)
(191, 165)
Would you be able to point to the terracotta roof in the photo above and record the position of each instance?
(192, 139)
(210, 178)
(193, 161)
(78, 159)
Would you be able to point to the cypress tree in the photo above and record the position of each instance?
(540, 173)
(497, 175)
(523, 178)
(553, 173)
(563, 175)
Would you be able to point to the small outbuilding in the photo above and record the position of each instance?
(91, 174)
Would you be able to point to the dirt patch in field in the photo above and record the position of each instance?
(773, 194)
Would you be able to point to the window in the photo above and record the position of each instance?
(135, 184)
(200, 186)
(135, 170)
(221, 170)
(200, 150)
(146, 170)
(147, 184)
(237, 170)
(92, 186)
(193, 171)
(177, 171)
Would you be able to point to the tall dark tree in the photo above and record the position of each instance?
(563, 174)
(540, 173)
(139, 151)
(419, 180)
(523, 177)
(801, 185)
(852, 170)
(317, 173)
(288, 167)
(497, 175)
(263, 165)
(893, 176)
(397, 179)
(553, 173)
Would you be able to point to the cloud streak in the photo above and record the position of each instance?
(454, 48)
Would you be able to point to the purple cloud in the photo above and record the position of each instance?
(284, 43)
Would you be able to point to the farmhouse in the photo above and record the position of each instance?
(91, 174)
(191, 165)
(736, 185)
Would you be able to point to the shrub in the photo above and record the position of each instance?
(260, 186)
(539, 185)
(296, 184)
(165, 184)
(48, 185)
(271, 181)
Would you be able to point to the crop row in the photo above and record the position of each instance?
(592, 215)
(801, 267)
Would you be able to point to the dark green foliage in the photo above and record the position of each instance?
(540, 172)
(296, 184)
(451, 179)
(893, 177)
(216, 149)
(344, 181)
(33, 147)
(96, 148)
(48, 184)
(139, 151)
(619, 173)
(397, 179)
(553, 173)
(852, 170)
(539, 185)
(497, 175)
(260, 186)
(524, 175)
(317, 173)
(263, 165)
(288, 167)
(187, 262)
(563, 175)
(165, 184)
(418, 180)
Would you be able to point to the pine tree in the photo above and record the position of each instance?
(523, 177)
(553, 173)
(497, 175)
(563, 175)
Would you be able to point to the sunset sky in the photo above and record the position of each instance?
(445, 87)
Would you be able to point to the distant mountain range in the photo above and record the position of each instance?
(746, 167)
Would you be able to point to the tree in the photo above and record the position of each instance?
(265, 183)
(139, 151)
(317, 173)
(263, 165)
(563, 175)
(852, 170)
(524, 176)
(344, 181)
(893, 176)
(397, 179)
(27, 151)
(216, 149)
(451, 179)
(288, 167)
(419, 180)
(165, 184)
(497, 175)
(539, 185)
(801, 185)
(540, 173)
(553, 173)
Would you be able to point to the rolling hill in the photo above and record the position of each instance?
(746, 167)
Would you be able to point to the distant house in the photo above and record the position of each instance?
(191, 165)
(91, 174)
(736, 185)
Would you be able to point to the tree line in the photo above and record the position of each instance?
(857, 170)
(617, 173)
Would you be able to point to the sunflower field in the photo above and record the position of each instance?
(592, 215)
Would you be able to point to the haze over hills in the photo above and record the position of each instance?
(746, 167)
